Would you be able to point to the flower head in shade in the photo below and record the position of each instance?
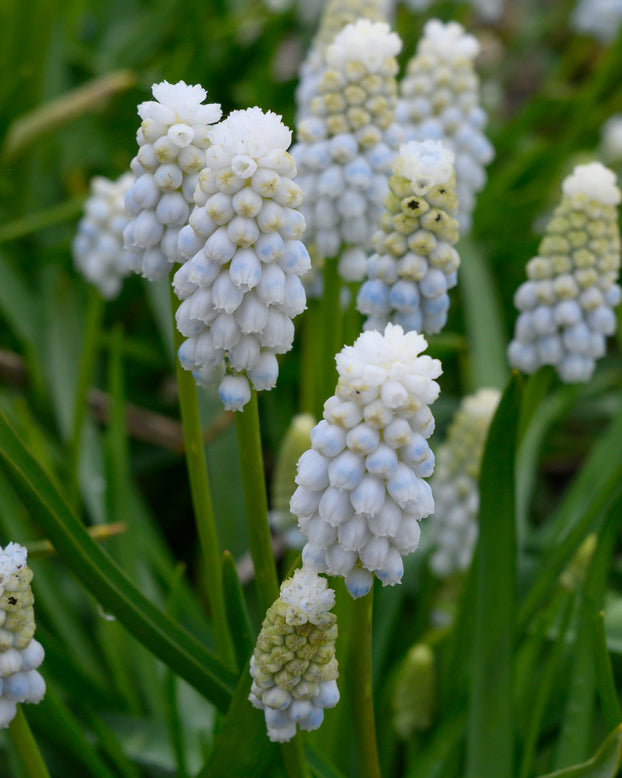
(293, 666)
(439, 101)
(599, 18)
(20, 654)
(415, 263)
(567, 304)
(455, 484)
(98, 248)
(361, 488)
(346, 145)
(172, 141)
(240, 287)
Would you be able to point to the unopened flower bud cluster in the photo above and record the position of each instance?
(455, 484)
(20, 654)
(294, 668)
(601, 19)
(336, 15)
(413, 697)
(240, 287)
(98, 248)
(294, 444)
(172, 141)
(361, 488)
(345, 148)
(567, 304)
(415, 263)
(439, 100)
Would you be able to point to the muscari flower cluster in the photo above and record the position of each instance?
(361, 488)
(98, 248)
(20, 654)
(293, 666)
(601, 19)
(345, 148)
(567, 304)
(172, 140)
(454, 527)
(415, 263)
(336, 15)
(240, 287)
(439, 100)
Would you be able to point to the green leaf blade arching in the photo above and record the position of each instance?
(604, 764)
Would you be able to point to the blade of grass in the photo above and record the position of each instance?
(604, 764)
(605, 682)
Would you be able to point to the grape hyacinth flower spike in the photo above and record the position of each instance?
(293, 666)
(567, 304)
(455, 484)
(345, 148)
(361, 488)
(241, 287)
(439, 100)
(172, 140)
(98, 249)
(415, 263)
(20, 653)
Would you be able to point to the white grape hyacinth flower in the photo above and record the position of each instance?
(294, 668)
(567, 305)
(241, 288)
(361, 486)
(172, 140)
(20, 653)
(415, 262)
(439, 100)
(98, 249)
(345, 147)
(601, 19)
(455, 486)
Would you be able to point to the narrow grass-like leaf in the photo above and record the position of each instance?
(605, 683)
(484, 321)
(490, 731)
(604, 764)
(101, 576)
(240, 626)
(320, 766)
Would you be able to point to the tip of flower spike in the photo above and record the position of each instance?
(179, 102)
(595, 181)
(251, 132)
(307, 593)
(424, 164)
(12, 558)
(448, 41)
(364, 41)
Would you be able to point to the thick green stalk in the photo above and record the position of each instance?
(94, 314)
(256, 502)
(202, 502)
(362, 689)
(26, 746)
(331, 337)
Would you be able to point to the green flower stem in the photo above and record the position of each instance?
(331, 338)
(202, 501)
(92, 324)
(256, 502)
(362, 689)
(310, 365)
(26, 747)
(294, 758)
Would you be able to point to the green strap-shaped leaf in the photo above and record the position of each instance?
(490, 730)
(176, 647)
(239, 622)
(605, 763)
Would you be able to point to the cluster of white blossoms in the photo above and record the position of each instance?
(336, 15)
(98, 249)
(601, 19)
(454, 526)
(346, 146)
(240, 287)
(295, 442)
(361, 488)
(439, 100)
(20, 654)
(172, 140)
(567, 304)
(293, 666)
(415, 263)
